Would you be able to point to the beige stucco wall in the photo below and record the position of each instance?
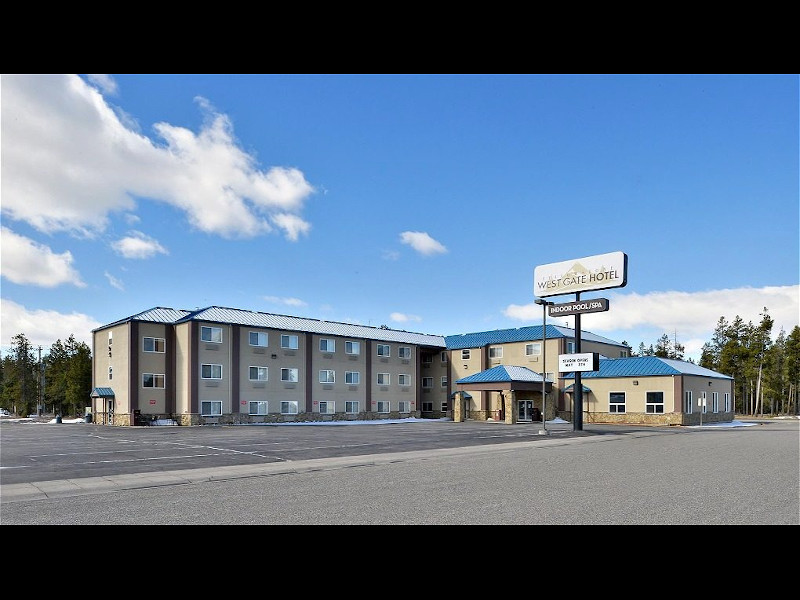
(216, 354)
(182, 368)
(152, 400)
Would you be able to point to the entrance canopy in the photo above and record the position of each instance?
(504, 378)
(102, 392)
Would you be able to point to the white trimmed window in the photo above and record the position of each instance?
(533, 349)
(258, 338)
(404, 352)
(465, 354)
(688, 407)
(404, 406)
(352, 377)
(703, 403)
(211, 334)
(288, 407)
(352, 347)
(444, 357)
(153, 344)
(404, 379)
(654, 403)
(570, 347)
(211, 371)
(327, 345)
(259, 407)
(351, 407)
(288, 374)
(152, 380)
(384, 379)
(327, 407)
(211, 408)
(259, 373)
(444, 382)
(715, 402)
(444, 405)
(384, 350)
(327, 376)
(727, 402)
(289, 341)
(616, 402)
(427, 359)
(427, 382)
(383, 406)
(495, 352)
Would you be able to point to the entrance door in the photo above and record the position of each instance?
(110, 410)
(525, 411)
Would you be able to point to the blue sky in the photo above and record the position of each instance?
(420, 202)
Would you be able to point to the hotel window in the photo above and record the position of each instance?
(352, 377)
(403, 406)
(152, 380)
(211, 334)
(351, 407)
(211, 408)
(715, 402)
(570, 347)
(289, 341)
(327, 376)
(352, 347)
(403, 379)
(327, 345)
(444, 405)
(427, 359)
(383, 350)
(152, 344)
(654, 403)
(258, 338)
(289, 375)
(383, 406)
(616, 402)
(534, 349)
(259, 407)
(727, 402)
(703, 403)
(444, 382)
(211, 371)
(427, 406)
(465, 355)
(444, 357)
(687, 401)
(427, 382)
(327, 407)
(383, 379)
(404, 352)
(259, 373)
(496, 352)
(288, 407)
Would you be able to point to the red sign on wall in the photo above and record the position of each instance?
(152, 401)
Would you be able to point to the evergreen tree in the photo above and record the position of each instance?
(20, 377)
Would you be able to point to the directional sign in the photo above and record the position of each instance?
(580, 306)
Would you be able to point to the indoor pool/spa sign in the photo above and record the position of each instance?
(598, 272)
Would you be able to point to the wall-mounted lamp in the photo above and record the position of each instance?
(709, 383)
(635, 382)
(274, 356)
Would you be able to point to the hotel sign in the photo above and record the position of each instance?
(597, 272)
(588, 361)
(580, 306)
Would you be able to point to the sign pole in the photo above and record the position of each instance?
(577, 417)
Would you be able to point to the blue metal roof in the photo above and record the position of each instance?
(502, 373)
(102, 392)
(520, 334)
(643, 366)
(159, 314)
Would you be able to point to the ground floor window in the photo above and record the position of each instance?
(727, 402)
(288, 407)
(687, 402)
(654, 403)
(403, 406)
(383, 406)
(427, 407)
(351, 407)
(616, 402)
(211, 408)
(327, 407)
(715, 402)
(259, 407)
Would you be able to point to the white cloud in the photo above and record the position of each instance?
(114, 282)
(422, 242)
(105, 82)
(390, 255)
(285, 301)
(402, 318)
(691, 316)
(70, 159)
(43, 327)
(29, 263)
(138, 245)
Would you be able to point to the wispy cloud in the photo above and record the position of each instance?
(398, 317)
(138, 245)
(114, 282)
(286, 301)
(66, 124)
(422, 243)
(26, 262)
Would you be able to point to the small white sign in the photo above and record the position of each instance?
(588, 361)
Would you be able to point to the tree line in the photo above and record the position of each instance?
(766, 372)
